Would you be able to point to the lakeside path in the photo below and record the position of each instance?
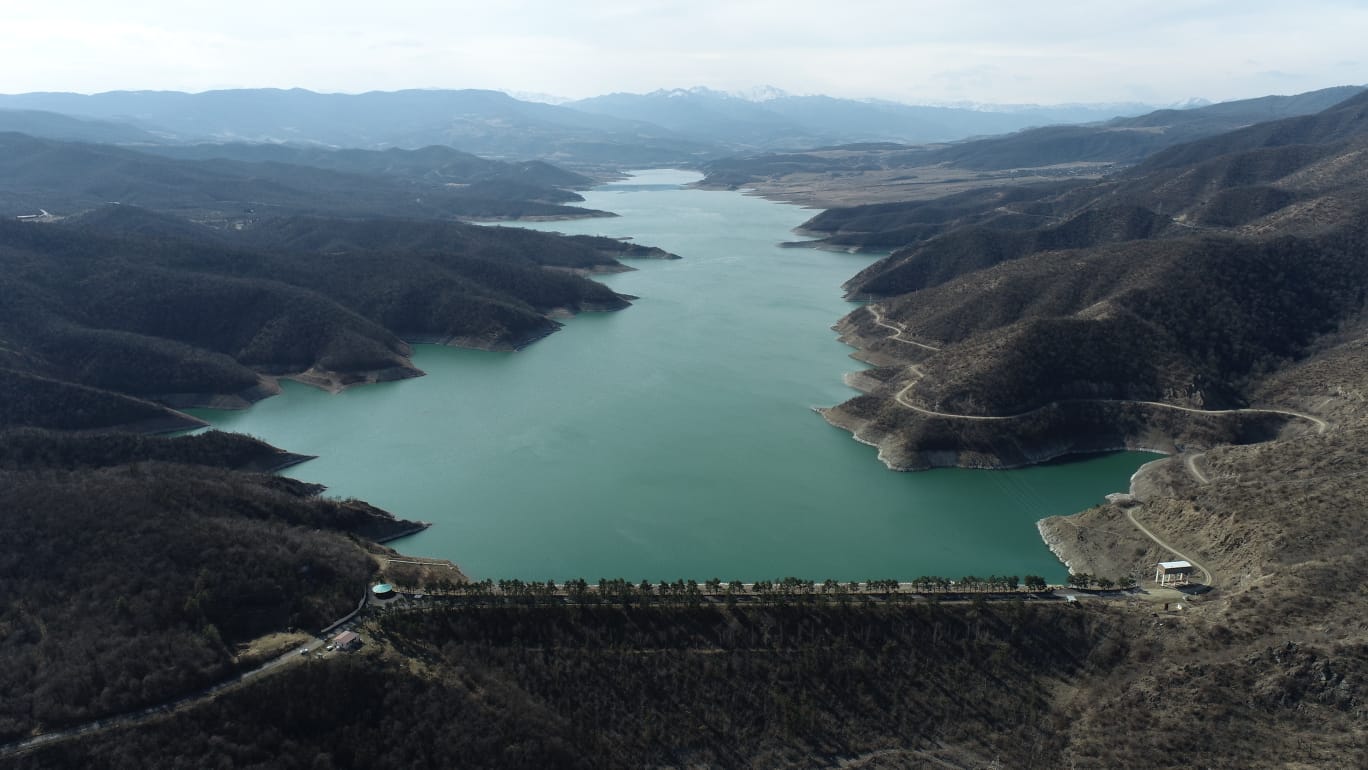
(1190, 462)
(1210, 576)
(898, 333)
(901, 396)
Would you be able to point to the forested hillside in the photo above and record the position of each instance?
(801, 685)
(68, 177)
(437, 163)
(1184, 283)
(135, 567)
(24, 448)
(332, 298)
(141, 568)
(607, 687)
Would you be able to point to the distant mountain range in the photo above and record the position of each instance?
(772, 119)
(666, 127)
(1124, 140)
(663, 127)
(53, 125)
(486, 123)
(1128, 139)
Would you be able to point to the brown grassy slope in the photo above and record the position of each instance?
(1192, 321)
(1296, 172)
(1269, 669)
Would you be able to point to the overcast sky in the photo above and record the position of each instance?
(1042, 51)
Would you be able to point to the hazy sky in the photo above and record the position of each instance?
(1043, 51)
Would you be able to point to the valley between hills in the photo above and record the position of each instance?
(1196, 289)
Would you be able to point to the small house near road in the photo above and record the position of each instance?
(347, 640)
(1173, 573)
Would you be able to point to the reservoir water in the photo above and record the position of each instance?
(673, 439)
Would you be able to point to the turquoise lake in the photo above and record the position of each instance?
(673, 439)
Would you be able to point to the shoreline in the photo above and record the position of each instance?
(835, 422)
(1056, 545)
(589, 214)
(1103, 535)
(334, 382)
(418, 526)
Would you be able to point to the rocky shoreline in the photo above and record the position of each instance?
(1056, 544)
(899, 458)
(336, 382)
(1100, 540)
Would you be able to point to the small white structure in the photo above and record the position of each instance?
(1172, 573)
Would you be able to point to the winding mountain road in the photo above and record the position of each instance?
(1190, 462)
(902, 400)
(1209, 575)
(898, 334)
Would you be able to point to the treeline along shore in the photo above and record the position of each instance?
(693, 592)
